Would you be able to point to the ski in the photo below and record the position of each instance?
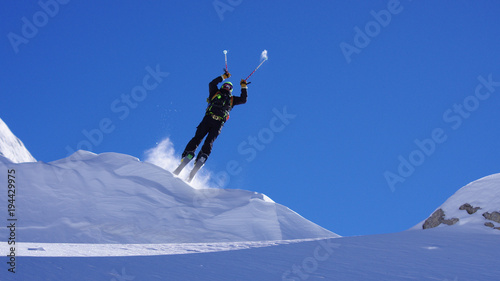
(184, 161)
(197, 166)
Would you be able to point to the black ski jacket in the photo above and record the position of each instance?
(222, 105)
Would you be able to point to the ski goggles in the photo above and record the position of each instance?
(227, 87)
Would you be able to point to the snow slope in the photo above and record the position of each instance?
(436, 254)
(115, 198)
(11, 147)
(469, 206)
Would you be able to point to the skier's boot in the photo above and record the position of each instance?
(200, 161)
(187, 156)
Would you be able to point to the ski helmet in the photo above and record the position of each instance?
(225, 87)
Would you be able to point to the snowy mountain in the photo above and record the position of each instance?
(475, 206)
(111, 217)
(11, 147)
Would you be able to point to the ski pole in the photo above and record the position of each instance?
(256, 69)
(225, 57)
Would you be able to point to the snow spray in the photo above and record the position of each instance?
(263, 58)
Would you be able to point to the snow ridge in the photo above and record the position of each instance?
(11, 147)
(115, 198)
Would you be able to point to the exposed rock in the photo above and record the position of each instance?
(434, 220)
(437, 218)
(451, 221)
(489, 224)
(495, 216)
(469, 208)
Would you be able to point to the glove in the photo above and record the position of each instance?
(226, 75)
(244, 84)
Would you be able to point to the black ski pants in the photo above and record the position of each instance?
(208, 126)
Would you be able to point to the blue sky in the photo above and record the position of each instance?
(394, 103)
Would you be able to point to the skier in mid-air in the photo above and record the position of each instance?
(220, 102)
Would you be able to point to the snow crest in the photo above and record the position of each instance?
(115, 198)
(11, 147)
(475, 206)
